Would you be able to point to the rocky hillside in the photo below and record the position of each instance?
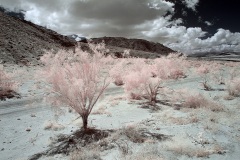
(22, 41)
(136, 46)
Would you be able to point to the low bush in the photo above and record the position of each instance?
(233, 87)
(8, 86)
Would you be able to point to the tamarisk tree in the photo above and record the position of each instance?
(76, 80)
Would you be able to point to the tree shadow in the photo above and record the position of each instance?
(64, 144)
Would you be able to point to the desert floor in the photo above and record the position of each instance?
(29, 125)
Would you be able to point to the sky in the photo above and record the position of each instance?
(188, 26)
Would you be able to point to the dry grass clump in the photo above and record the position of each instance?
(166, 118)
(233, 87)
(101, 110)
(86, 154)
(184, 121)
(228, 97)
(52, 125)
(197, 151)
(8, 86)
(147, 152)
(115, 100)
(131, 132)
(193, 100)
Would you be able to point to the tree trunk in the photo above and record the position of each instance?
(85, 123)
(153, 99)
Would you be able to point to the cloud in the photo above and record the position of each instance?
(189, 40)
(222, 41)
(208, 23)
(191, 4)
(114, 16)
(145, 19)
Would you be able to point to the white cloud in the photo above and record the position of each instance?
(191, 4)
(208, 23)
(222, 40)
(145, 19)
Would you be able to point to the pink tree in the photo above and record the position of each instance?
(204, 71)
(172, 66)
(76, 80)
(141, 84)
(117, 71)
(144, 78)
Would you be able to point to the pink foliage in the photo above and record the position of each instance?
(7, 84)
(139, 83)
(170, 67)
(76, 79)
(190, 99)
(203, 69)
(233, 87)
(144, 78)
(117, 72)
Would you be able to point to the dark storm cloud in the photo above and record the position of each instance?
(120, 12)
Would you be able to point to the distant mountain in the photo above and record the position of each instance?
(155, 49)
(77, 38)
(220, 56)
(22, 41)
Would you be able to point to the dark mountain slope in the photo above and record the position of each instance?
(22, 41)
(134, 44)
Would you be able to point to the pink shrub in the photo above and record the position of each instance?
(204, 70)
(233, 87)
(218, 73)
(144, 78)
(170, 67)
(7, 84)
(189, 99)
(140, 83)
(76, 80)
(118, 71)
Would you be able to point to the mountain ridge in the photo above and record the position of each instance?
(22, 41)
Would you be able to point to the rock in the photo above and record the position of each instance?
(28, 129)
(33, 115)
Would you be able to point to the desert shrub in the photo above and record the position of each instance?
(233, 87)
(7, 85)
(218, 74)
(144, 78)
(190, 99)
(139, 83)
(234, 73)
(148, 151)
(132, 133)
(204, 71)
(195, 151)
(118, 71)
(52, 125)
(85, 154)
(172, 66)
(76, 80)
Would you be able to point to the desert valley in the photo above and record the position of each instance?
(113, 98)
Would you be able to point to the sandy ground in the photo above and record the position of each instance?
(193, 133)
